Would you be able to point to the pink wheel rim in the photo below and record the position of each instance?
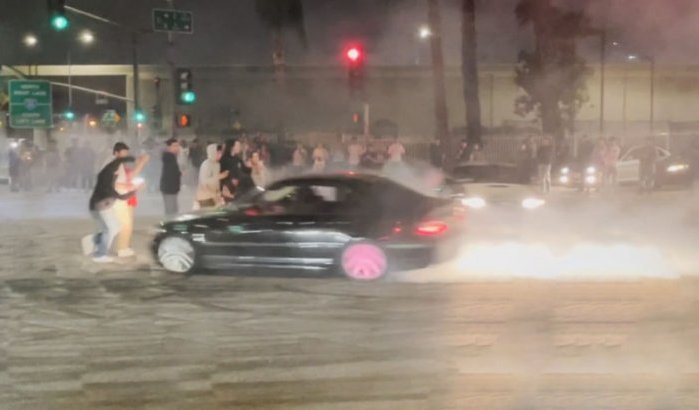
(364, 262)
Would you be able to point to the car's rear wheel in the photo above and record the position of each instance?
(363, 261)
(176, 254)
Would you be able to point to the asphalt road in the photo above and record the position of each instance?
(74, 335)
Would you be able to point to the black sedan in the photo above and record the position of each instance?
(362, 226)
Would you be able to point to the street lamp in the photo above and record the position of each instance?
(423, 34)
(650, 60)
(30, 40)
(86, 37)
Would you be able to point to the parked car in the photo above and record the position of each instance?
(670, 169)
(484, 185)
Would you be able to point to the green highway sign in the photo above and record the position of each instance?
(177, 21)
(30, 104)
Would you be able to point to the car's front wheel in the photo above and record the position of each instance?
(363, 261)
(176, 254)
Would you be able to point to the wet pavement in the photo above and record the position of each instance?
(74, 335)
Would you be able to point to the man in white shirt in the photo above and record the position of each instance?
(396, 151)
(354, 153)
(124, 208)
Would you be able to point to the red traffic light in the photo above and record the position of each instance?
(354, 54)
(184, 120)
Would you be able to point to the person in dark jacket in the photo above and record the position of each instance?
(239, 179)
(170, 178)
(544, 157)
(102, 209)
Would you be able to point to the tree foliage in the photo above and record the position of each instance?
(553, 75)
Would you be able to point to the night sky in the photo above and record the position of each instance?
(228, 32)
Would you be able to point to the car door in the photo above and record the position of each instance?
(628, 167)
(334, 213)
(257, 234)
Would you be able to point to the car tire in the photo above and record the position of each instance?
(176, 254)
(363, 261)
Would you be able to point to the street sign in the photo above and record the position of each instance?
(110, 118)
(178, 21)
(30, 104)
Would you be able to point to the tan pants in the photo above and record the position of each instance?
(124, 214)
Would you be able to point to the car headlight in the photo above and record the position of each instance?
(590, 180)
(591, 170)
(675, 168)
(474, 202)
(565, 171)
(532, 203)
(564, 179)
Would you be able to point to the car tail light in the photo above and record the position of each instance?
(431, 228)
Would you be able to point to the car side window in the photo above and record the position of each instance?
(309, 198)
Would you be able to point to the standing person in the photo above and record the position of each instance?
(544, 158)
(648, 157)
(259, 173)
(395, 151)
(299, 159)
(14, 166)
(320, 158)
(210, 176)
(436, 155)
(355, 150)
(239, 180)
(464, 153)
(599, 154)
(585, 148)
(124, 208)
(87, 166)
(477, 154)
(527, 152)
(171, 177)
(53, 165)
(102, 202)
(612, 154)
(373, 159)
(72, 163)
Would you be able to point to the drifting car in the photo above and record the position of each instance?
(482, 185)
(363, 226)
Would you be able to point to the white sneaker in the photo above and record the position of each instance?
(126, 253)
(103, 259)
(88, 244)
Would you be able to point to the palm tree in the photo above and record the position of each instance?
(279, 15)
(469, 70)
(440, 95)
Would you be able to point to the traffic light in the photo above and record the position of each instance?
(139, 117)
(184, 120)
(57, 15)
(356, 118)
(184, 89)
(69, 115)
(354, 57)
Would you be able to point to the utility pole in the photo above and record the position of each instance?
(440, 98)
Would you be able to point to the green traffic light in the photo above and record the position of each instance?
(139, 116)
(69, 115)
(59, 22)
(188, 97)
